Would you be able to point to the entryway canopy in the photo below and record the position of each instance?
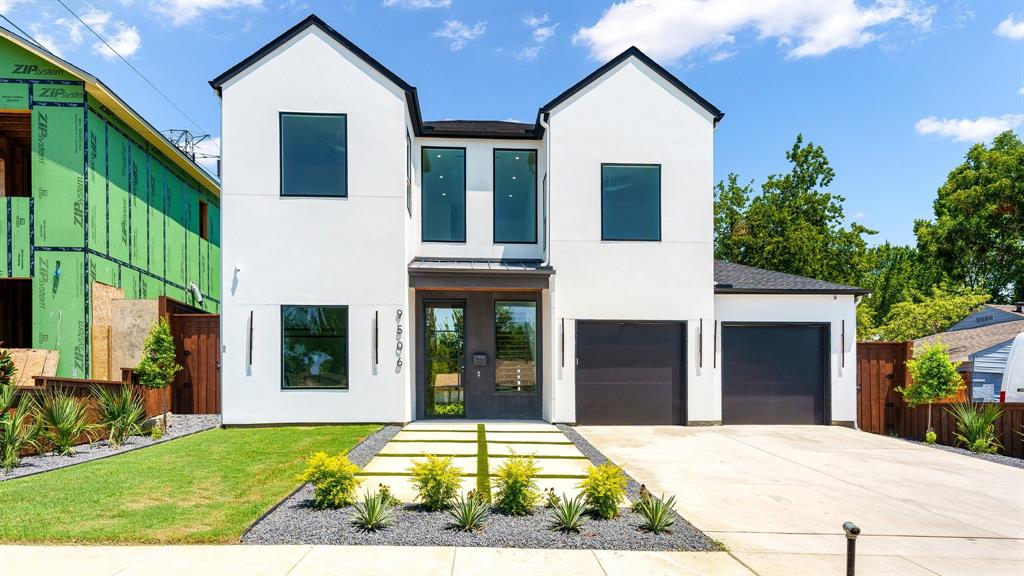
(479, 274)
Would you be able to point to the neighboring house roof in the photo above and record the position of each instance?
(1011, 308)
(968, 341)
(481, 131)
(740, 279)
(98, 90)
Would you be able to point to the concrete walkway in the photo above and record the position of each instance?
(778, 496)
(353, 561)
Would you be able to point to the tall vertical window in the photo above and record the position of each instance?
(443, 173)
(314, 347)
(515, 354)
(314, 155)
(204, 220)
(515, 196)
(630, 202)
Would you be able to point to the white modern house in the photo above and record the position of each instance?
(382, 268)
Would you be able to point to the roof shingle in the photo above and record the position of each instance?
(963, 343)
(740, 279)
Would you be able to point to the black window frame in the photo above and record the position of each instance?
(601, 179)
(423, 192)
(536, 346)
(348, 324)
(280, 152)
(408, 172)
(494, 195)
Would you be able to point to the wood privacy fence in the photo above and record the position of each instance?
(881, 368)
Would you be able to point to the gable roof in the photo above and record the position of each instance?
(964, 342)
(466, 128)
(733, 278)
(104, 95)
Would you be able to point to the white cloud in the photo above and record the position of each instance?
(858, 216)
(1010, 28)
(418, 4)
(965, 130)
(1020, 90)
(671, 30)
(529, 53)
(541, 33)
(184, 11)
(721, 55)
(459, 33)
(61, 35)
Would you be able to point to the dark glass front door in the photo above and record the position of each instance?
(444, 358)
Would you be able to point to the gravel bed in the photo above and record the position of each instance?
(997, 458)
(362, 453)
(181, 425)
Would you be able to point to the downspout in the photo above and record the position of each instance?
(542, 120)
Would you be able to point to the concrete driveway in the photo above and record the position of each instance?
(777, 496)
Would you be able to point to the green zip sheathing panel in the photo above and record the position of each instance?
(106, 207)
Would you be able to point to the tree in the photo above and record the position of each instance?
(158, 365)
(977, 236)
(930, 315)
(892, 274)
(933, 378)
(794, 225)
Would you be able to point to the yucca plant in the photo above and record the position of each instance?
(17, 430)
(658, 513)
(373, 513)
(121, 411)
(64, 419)
(567, 514)
(468, 513)
(976, 426)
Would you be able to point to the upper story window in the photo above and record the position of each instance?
(443, 174)
(204, 220)
(631, 202)
(314, 154)
(515, 196)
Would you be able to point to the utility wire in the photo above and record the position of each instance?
(23, 33)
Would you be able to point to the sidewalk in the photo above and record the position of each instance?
(236, 560)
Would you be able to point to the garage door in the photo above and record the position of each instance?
(630, 373)
(773, 374)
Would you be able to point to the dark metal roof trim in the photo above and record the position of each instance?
(727, 290)
(479, 266)
(489, 129)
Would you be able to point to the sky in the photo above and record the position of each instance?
(896, 91)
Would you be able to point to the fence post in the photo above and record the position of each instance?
(852, 531)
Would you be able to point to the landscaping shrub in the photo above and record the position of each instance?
(16, 431)
(517, 492)
(437, 481)
(333, 478)
(64, 419)
(388, 497)
(658, 513)
(975, 426)
(156, 432)
(7, 370)
(603, 489)
(450, 409)
(930, 437)
(159, 362)
(933, 378)
(121, 411)
(551, 499)
(469, 512)
(567, 514)
(373, 513)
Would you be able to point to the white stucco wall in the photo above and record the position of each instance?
(631, 115)
(833, 310)
(332, 251)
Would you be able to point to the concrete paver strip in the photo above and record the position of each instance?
(431, 436)
(463, 448)
(551, 466)
(401, 465)
(536, 449)
(351, 560)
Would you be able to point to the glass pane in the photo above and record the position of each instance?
(313, 155)
(444, 195)
(314, 346)
(515, 355)
(515, 196)
(446, 349)
(630, 202)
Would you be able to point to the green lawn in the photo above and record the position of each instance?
(204, 488)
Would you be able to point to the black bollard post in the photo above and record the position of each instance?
(852, 531)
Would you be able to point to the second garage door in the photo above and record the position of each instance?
(630, 373)
(774, 374)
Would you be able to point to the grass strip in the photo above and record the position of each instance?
(557, 476)
(535, 456)
(483, 472)
(511, 442)
(455, 441)
(405, 474)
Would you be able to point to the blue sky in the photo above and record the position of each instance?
(895, 90)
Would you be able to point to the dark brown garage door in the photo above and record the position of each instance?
(630, 373)
(774, 374)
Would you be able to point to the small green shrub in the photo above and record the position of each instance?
(333, 478)
(159, 361)
(64, 420)
(121, 411)
(658, 513)
(17, 432)
(603, 489)
(551, 499)
(437, 481)
(567, 514)
(517, 492)
(450, 409)
(373, 513)
(976, 426)
(468, 513)
(156, 432)
(389, 498)
(930, 437)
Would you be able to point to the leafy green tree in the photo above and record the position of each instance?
(158, 365)
(930, 315)
(794, 225)
(977, 236)
(892, 274)
(933, 377)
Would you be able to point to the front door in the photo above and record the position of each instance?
(481, 355)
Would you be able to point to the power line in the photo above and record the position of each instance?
(23, 33)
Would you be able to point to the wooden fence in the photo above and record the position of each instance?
(881, 368)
